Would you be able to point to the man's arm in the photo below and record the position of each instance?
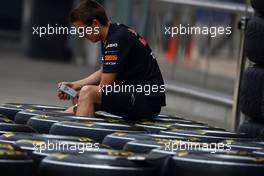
(108, 79)
(93, 79)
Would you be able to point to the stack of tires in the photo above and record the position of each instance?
(252, 100)
(43, 140)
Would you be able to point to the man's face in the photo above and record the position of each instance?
(91, 37)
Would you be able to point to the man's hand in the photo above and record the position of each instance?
(64, 96)
(93, 79)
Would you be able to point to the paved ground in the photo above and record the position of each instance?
(33, 81)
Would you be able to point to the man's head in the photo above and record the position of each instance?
(90, 13)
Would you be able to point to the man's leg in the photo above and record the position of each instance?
(89, 97)
(72, 109)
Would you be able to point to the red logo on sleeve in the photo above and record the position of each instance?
(143, 41)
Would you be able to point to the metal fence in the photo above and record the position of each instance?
(213, 65)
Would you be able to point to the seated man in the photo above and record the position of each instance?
(129, 82)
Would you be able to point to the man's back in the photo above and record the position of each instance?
(129, 55)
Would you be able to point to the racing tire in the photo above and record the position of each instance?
(5, 120)
(22, 117)
(42, 123)
(228, 164)
(12, 138)
(38, 106)
(15, 162)
(208, 135)
(118, 140)
(251, 93)
(107, 164)
(11, 127)
(254, 40)
(258, 5)
(94, 130)
(10, 111)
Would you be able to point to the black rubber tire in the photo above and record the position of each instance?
(258, 5)
(142, 146)
(47, 108)
(189, 122)
(118, 140)
(163, 153)
(10, 111)
(102, 114)
(146, 146)
(207, 135)
(39, 143)
(153, 127)
(5, 120)
(15, 162)
(214, 164)
(38, 156)
(42, 124)
(92, 130)
(109, 164)
(22, 117)
(251, 100)
(193, 127)
(57, 146)
(17, 104)
(39, 106)
(5, 146)
(156, 127)
(30, 145)
(166, 116)
(11, 127)
(110, 117)
(249, 146)
(259, 152)
(254, 40)
(171, 120)
(194, 147)
(13, 137)
(253, 128)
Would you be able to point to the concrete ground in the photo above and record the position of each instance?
(27, 80)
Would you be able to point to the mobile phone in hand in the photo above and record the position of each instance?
(69, 91)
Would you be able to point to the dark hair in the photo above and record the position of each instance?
(87, 11)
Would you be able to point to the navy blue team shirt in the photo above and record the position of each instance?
(128, 54)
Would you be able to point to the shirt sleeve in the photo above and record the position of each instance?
(115, 54)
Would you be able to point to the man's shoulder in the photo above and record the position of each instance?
(121, 33)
